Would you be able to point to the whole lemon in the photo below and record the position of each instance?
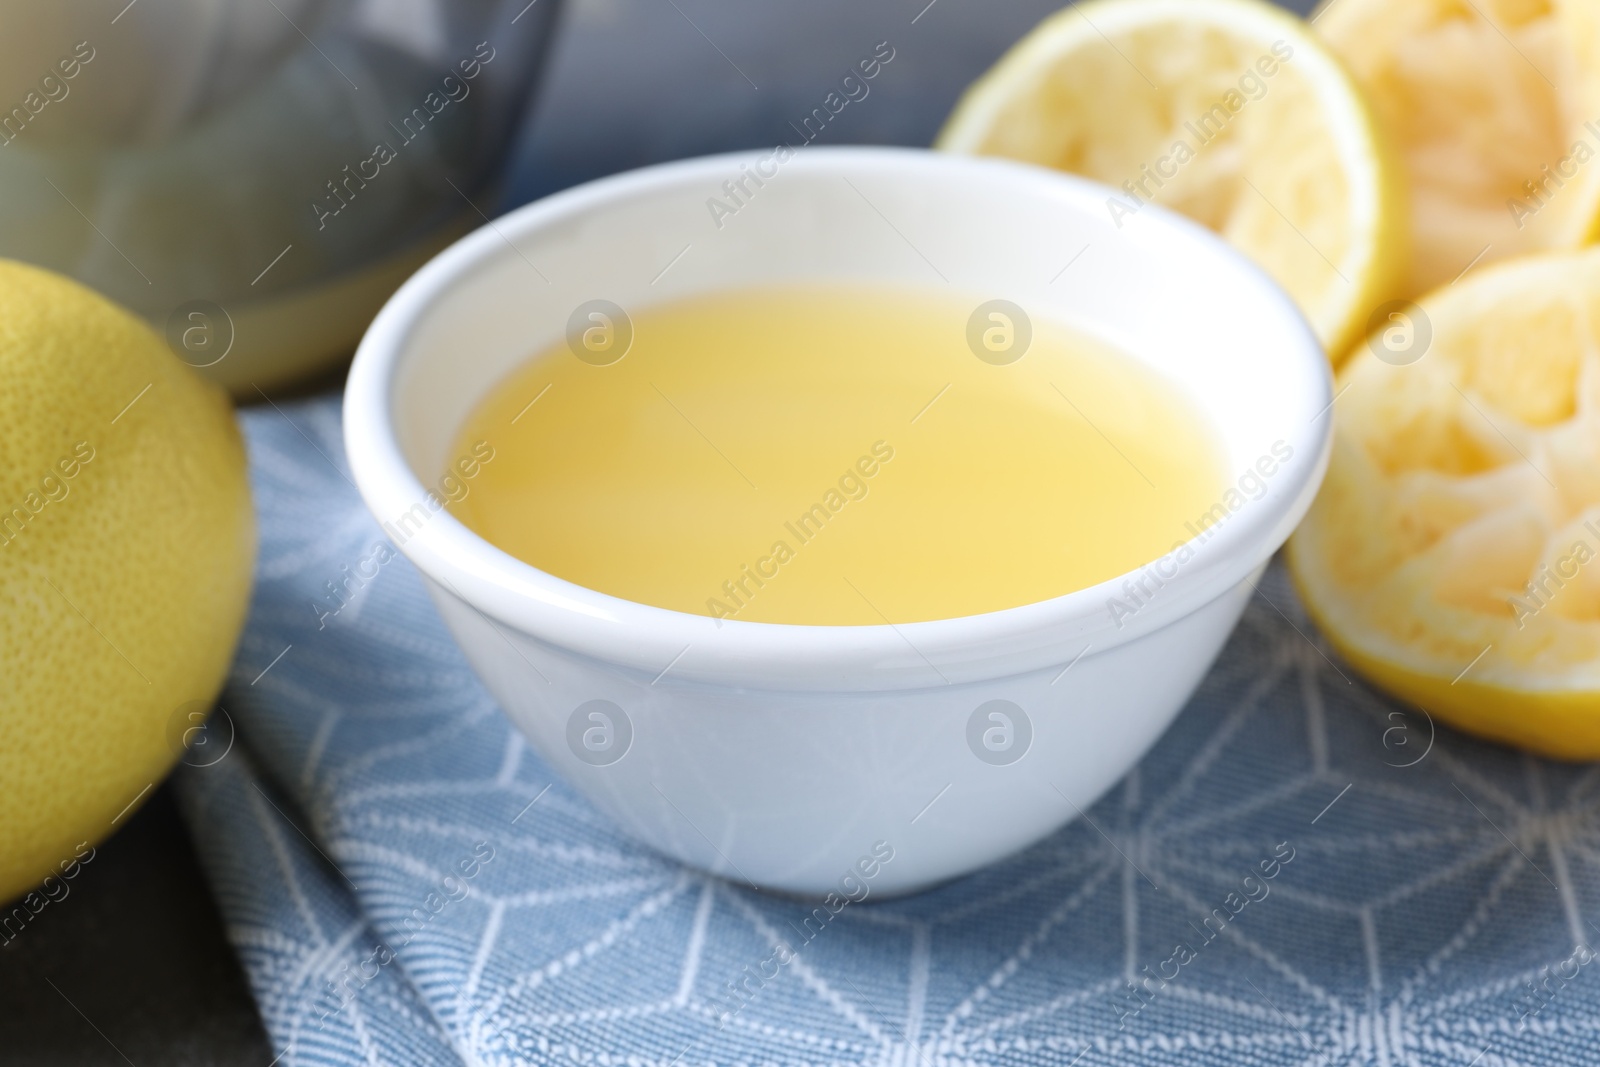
(127, 543)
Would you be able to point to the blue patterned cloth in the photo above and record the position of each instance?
(1299, 873)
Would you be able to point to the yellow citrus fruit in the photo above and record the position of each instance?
(1494, 108)
(1229, 111)
(1453, 554)
(126, 546)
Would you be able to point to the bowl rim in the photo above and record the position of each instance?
(698, 648)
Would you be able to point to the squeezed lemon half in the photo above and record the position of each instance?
(1494, 107)
(1229, 111)
(1453, 555)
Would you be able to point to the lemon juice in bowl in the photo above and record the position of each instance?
(837, 456)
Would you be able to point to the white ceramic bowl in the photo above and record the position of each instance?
(796, 757)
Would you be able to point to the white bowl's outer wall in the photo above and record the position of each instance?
(781, 754)
(787, 790)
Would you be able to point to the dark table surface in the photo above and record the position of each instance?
(134, 966)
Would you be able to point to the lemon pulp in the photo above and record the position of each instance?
(1229, 111)
(1494, 109)
(1453, 553)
